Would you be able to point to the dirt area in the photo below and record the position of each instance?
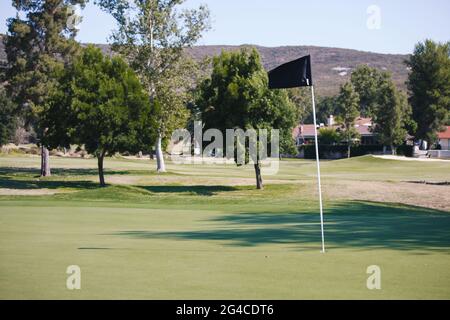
(121, 179)
(416, 194)
(423, 195)
(30, 192)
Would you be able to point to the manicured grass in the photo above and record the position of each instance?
(158, 240)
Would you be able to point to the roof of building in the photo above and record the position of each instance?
(444, 134)
(306, 130)
(362, 125)
(363, 121)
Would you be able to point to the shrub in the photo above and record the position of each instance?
(339, 151)
(328, 136)
(405, 150)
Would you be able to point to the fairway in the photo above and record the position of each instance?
(204, 232)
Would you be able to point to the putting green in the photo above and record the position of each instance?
(139, 252)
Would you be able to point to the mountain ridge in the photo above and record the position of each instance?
(331, 66)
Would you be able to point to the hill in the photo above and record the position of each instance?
(331, 66)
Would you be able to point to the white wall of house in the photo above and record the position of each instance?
(445, 144)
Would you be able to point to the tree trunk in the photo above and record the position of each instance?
(259, 182)
(348, 150)
(45, 162)
(424, 145)
(160, 165)
(393, 150)
(101, 175)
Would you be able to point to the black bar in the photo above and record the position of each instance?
(222, 309)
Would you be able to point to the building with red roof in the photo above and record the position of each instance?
(444, 138)
(304, 133)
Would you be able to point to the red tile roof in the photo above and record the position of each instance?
(306, 130)
(362, 125)
(444, 134)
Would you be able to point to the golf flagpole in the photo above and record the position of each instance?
(297, 73)
(318, 168)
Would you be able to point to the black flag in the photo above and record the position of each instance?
(293, 74)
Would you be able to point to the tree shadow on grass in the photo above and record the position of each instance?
(362, 225)
(198, 190)
(27, 178)
(60, 171)
(7, 182)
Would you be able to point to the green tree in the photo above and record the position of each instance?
(152, 35)
(348, 106)
(38, 47)
(429, 87)
(392, 116)
(328, 136)
(366, 82)
(100, 104)
(237, 96)
(325, 107)
(301, 97)
(7, 117)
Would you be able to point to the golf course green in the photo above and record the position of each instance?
(205, 232)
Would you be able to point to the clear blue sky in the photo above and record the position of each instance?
(330, 23)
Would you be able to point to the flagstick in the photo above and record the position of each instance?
(318, 168)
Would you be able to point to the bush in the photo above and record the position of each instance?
(340, 151)
(328, 136)
(405, 150)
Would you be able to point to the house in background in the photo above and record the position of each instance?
(442, 147)
(444, 138)
(304, 133)
(364, 126)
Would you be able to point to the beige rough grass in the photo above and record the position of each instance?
(31, 192)
(423, 195)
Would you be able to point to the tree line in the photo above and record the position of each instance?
(73, 94)
(421, 112)
(132, 101)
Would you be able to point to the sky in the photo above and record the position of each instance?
(385, 26)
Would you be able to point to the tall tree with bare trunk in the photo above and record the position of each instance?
(152, 35)
(39, 43)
